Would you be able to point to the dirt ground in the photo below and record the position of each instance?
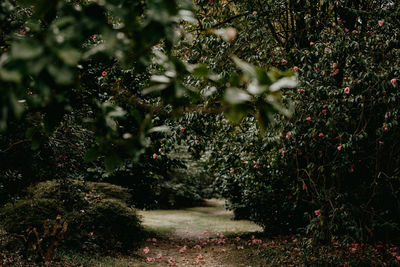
(205, 236)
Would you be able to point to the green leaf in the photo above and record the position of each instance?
(247, 68)
(236, 96)
(70, 56)
(26, 49)
(10, 75)
(91, 155)
(112, 161)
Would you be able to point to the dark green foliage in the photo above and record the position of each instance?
(97, 214)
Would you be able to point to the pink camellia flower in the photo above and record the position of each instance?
(197, 247)
(393, 81)
(312, 43)
(302, 91)
(254, 13)
(346, 90)
(335, 72)
(150, 259)
(182, 130)
(308, 119)
(159, 256)
(339, 147)
(295, 68)
(324, 111)
(321, 135)
(381, 23)
(283, 153)
(155, 156)
(240, 247)
(174, 263)
(284, 62)
(104, 73)
(154, 240)
(386, 115)
(334, 65)
(231, 171)
(146, 250)
(304, 187)
(94, 38)
(351, 170)
(317, 212)
(354, 31)
(346, 30)
(182, 250)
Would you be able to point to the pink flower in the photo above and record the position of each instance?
(94, 38)
(104, 73)
(339, 147)
(308, 119)
(254, 13)
(354, 31)
(159, 256)
(174, 263)
(302, 91)
(200, 257)
(324, 111)
(295, 68)
(346, 90)
(346, 30)
(197, 247)
(154, 156)
(317, 212)
(182, 250)
(231, 171)
(304, 186)
(182, 130)
(283, 153)
(335, 72)
(386, 115)
(351, 170)
(312, 43)
(283, 62)
(393, 81)
(398, 258)
(334, 65)
(381, 23)
(240, 247)
(154, 240)
(150, 259)
(146, 250)
(321, 135)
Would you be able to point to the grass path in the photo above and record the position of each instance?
(205, 236)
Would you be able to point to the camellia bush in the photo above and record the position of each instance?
(332, 169)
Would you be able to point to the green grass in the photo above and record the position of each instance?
(77, 259)
(210, 217)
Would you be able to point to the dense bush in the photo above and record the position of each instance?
(334, 165)
(97, 214)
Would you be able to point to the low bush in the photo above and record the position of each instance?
(97, 214)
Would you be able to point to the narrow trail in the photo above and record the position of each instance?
(205, 236)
